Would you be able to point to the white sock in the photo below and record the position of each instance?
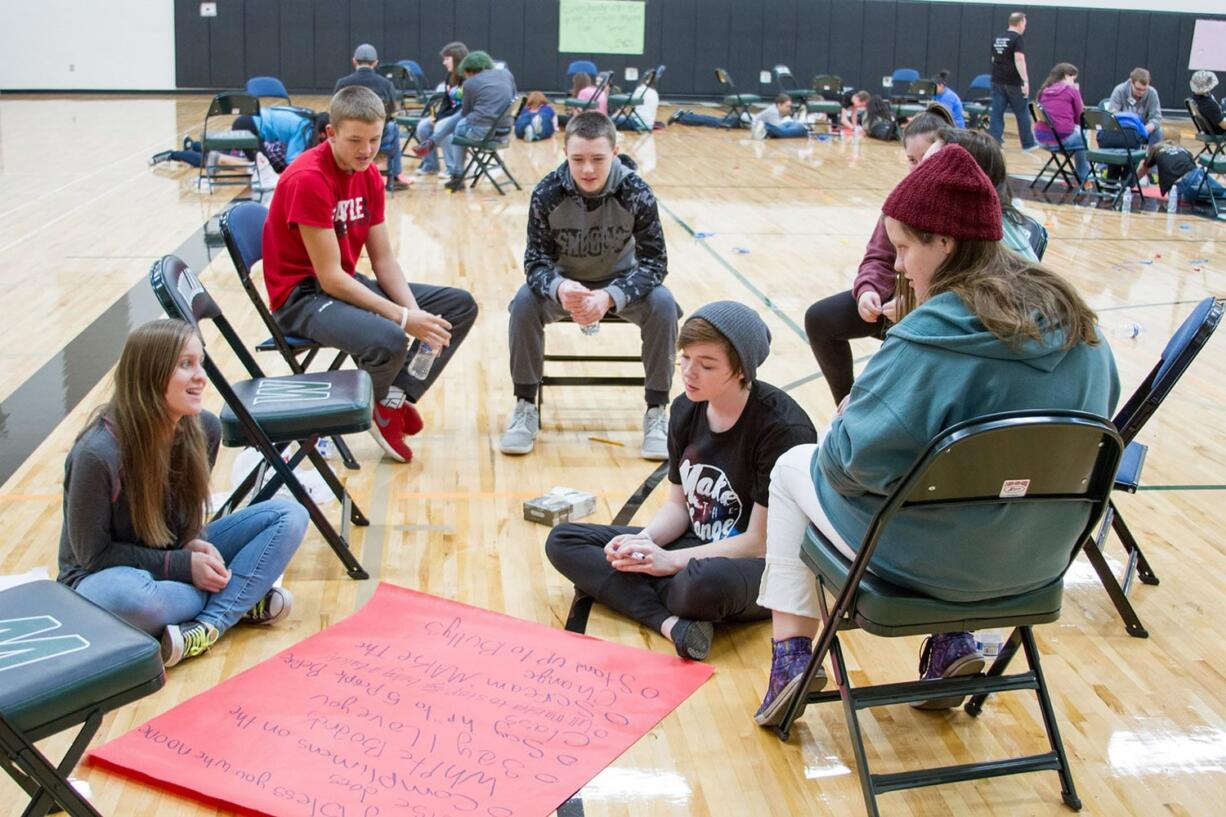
(395, 398)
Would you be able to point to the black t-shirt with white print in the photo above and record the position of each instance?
(723, 474)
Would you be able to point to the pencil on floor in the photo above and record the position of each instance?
(607, 441)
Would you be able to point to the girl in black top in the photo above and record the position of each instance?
(700, 558)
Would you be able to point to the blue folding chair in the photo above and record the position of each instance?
(268, 88)
(580, 66)
(900, 82)
(1180, 351)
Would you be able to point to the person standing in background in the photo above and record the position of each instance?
(1010, 85)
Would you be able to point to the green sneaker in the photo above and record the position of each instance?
(275, 605)
(187, 640)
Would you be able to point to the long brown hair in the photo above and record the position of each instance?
(165, 475)
(1013, 297)
(581, 80)
(457, 51)
(1058, 72)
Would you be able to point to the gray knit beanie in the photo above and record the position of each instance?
(1203, 82)
(744, 330)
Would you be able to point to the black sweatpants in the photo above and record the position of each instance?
(716, 589)
(830, 324)
(379, 346)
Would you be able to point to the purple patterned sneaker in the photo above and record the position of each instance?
(788, 661)
(948, 655)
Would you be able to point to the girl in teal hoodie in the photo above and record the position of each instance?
(989, 331)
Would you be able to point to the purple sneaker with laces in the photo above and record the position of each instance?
(948, 655)
(788, 661)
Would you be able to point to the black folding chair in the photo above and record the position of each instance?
(736, 102)
(1060, 461)
(1059, 156)
(228, 105)
(1212, 154)
(483, 151)
(270, 413)
(64, 662)
(625, 105)
(242, 228)
(1125, 158)
(411, 120)
(401, 79)
(589, 380)
(1180, 351)
(787, 84)
(592, 102)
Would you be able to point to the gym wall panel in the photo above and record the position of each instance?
(860, 40)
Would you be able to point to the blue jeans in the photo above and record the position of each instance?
(788, 130)
(1075, 145)
(1189, 185)
(705, 120)
(1011, 96)
(391, 146)
(434, 132)
(453, 154)
(256, 544)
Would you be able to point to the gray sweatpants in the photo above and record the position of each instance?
(379, 346)
(655, 314)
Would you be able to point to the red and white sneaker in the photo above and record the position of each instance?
(388, 431)
(411, 419)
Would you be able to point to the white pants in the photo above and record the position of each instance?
(788, 586)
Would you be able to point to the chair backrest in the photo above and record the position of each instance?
(660, 71)
(1202, 125)
(922, 89)
(414, 69)
(828, 86)
(182, 296)
(270, 87)
(400, 76)
(580, 67)
(1039, 114)
(1180, 351)
(785, 80)
(1056, 457)
(902, 76)
(1094, 119)
(233, 104)
(981, 82)
(725, 81)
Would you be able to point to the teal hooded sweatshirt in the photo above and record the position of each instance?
(938, 367)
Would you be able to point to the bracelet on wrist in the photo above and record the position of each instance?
(404, 317)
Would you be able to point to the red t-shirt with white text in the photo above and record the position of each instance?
(313, 191)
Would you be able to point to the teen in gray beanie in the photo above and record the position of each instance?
(744, 329)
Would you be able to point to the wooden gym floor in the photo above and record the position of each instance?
(82, 217)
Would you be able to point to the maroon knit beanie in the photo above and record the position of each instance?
(948, 194)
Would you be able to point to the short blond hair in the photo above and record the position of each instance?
(356, 103)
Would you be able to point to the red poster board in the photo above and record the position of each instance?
(414, 706)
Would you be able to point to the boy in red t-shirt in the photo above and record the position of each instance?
(328, 206)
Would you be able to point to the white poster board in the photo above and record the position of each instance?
(1208, 46)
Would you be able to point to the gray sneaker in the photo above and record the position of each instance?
(655, 434)
(520, 436)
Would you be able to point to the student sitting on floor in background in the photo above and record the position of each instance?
(880, 121)
(853, 111)
(1177, 168)
(699, 559)
(868, 308)
(329, 207)
(645, 111)
(998, 333)
(136, 540)
(946, 96)
(776, 121)
(537, 115)
(595, 246)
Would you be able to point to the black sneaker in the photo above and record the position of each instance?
(275, 605)
(187, 640)
(455, 184)
(676, 115)
(161, 156)
(693, 638)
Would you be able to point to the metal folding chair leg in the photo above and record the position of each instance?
(44, 781)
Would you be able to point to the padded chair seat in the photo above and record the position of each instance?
(974, 108)
(885, 609)
(1128, 475)
(1211, 138)
(911, 109)
(270, 345)
(1215, 164)
(619, 100)
(800, 94)
(574, 102)
(467, 142)
(296, 406)
(232, 140)
(823, 106)
(1114, 156)
(84, 657)
(742, 99)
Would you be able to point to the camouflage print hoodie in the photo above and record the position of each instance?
(611, 240)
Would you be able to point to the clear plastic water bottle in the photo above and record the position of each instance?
(1172, 201)
(1126, 201)
(1127, 330)
(590, 329)
(989, 642)
(423, 361)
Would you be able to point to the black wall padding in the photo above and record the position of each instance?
(308, 43)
